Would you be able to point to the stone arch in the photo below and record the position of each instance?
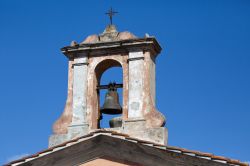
(97, 66)
(104, 65)
(100, 69)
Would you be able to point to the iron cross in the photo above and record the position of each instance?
(111, 13)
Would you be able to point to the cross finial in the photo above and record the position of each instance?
(111, 13)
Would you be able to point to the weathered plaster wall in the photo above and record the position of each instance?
(79, 125)
(61, 125)
(97, 66)
(153, 117)
(152, 79)
(140, 117)
(80, 90)
(136, 92)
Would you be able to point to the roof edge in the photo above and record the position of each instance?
(118, 135)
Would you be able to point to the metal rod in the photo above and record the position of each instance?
(107, 86)
(111, 13)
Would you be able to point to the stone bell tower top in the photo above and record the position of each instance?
(112, 36)
(110, 33)
(88, 60)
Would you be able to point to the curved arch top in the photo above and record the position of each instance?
(97, 65)
(104, 65)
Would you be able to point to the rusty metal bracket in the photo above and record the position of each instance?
(133, 59)
(109, 85)
(79, 64)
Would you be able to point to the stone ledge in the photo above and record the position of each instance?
(57, 139)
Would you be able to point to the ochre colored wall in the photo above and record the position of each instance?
(103, 162)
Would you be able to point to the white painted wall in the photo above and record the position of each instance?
(135, 99)
(80, 90)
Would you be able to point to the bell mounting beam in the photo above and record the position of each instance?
(109, 85)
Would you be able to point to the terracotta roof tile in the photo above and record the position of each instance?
(220, 158)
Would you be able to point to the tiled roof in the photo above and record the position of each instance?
(207, 156)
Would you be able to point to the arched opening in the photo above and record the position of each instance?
(108, 71)
(113, 74)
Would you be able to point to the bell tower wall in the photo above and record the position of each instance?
(136, 82)
(97, 66)
(79, 124)
(87, 62)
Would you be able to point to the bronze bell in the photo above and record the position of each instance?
(111, 104)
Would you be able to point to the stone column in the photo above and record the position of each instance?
(135, 124)
(79, 125)
(136, 71)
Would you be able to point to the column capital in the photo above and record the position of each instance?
(81, 60)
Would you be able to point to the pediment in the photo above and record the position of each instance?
(112, 148)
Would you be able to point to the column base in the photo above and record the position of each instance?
(74, 130)
(57, 139)
(77, 130)
(137, 128)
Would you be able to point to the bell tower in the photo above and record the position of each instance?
(87, 61)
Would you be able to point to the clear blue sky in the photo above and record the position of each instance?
(203, 72)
